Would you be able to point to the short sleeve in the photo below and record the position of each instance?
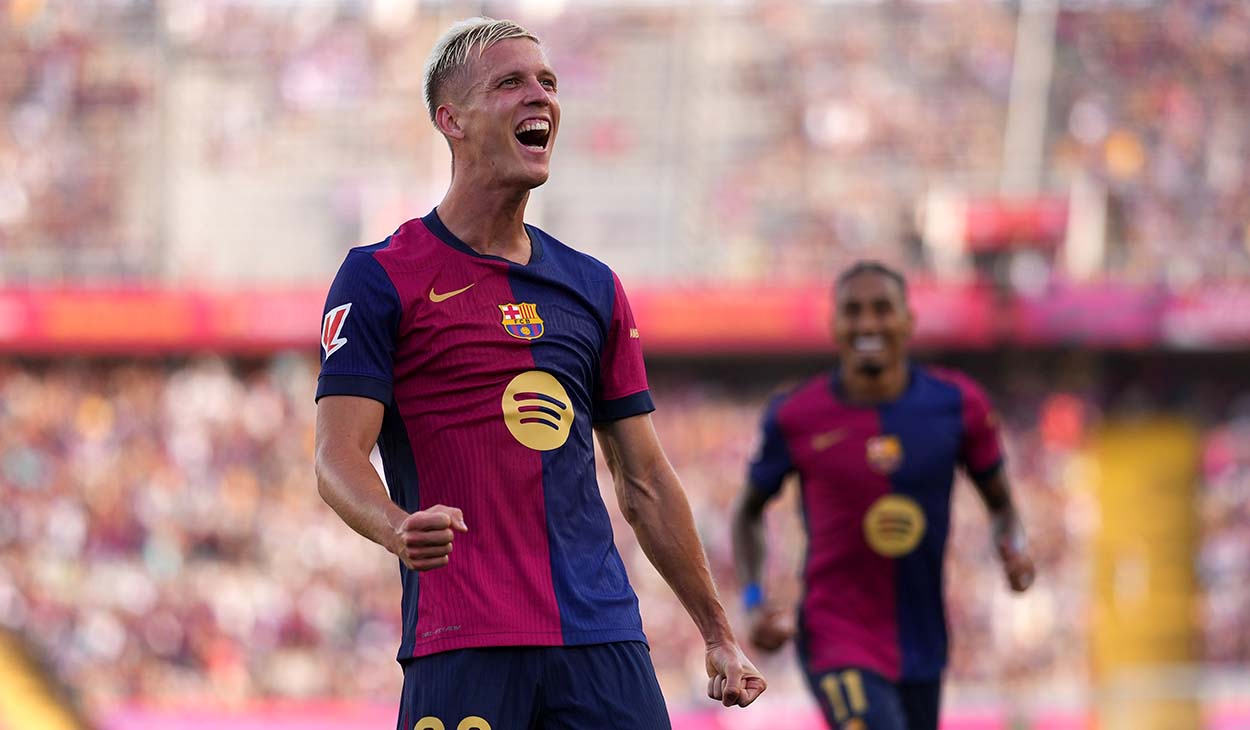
(622, 390)
(358, 331)
(772, 461)
(981, 452)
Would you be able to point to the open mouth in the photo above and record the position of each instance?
(533, 134)
(868, 344)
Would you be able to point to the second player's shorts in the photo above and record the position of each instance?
(527, 688)
(858, 699)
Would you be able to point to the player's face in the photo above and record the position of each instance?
(872, 324)
(511, 115)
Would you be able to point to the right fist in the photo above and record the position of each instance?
(771, 628)
(423, 539)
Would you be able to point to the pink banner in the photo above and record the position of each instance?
(1102, 315)
(764, 716)
(1215, 317)
(708, 320)
(346, 716)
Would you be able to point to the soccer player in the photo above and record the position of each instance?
(479, 353)
(875, 444)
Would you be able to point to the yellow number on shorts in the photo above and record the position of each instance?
(834, 692)
(472, 722)
(852, 683)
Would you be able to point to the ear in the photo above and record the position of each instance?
(447, 119)
(911, 322)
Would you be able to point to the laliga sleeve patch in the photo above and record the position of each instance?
(332, 328)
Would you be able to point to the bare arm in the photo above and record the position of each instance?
(748, 535)
(347, 428)
(655, 505)
(771, 626)
(1008, 532)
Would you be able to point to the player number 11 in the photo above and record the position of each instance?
(469, 723)
(853, 682)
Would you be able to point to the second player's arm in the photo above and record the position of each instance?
(655, 505)
(750, 545)
(1008, 531)
(347, 428)
(771, 626)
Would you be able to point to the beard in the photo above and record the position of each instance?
(870, 368)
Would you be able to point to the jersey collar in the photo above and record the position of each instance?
(440, 231)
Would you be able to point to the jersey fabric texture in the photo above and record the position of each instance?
(492, 374)
(875, 494)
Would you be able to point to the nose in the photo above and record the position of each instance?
(865, 323)
(536, 93)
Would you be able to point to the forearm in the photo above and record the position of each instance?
(656, 507)
(750, 547)
(348, 483)
(1004, 519)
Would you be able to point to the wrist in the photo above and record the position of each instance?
(395, 518)
(1009, 536)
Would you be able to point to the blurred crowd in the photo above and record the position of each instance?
(1224, 561)
(163, 538)
(77, 117)
(744, 141)
(1154, 102)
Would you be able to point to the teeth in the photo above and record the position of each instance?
(534, 125)
(869, 343)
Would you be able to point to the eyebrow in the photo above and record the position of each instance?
(544, 72)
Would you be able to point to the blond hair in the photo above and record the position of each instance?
(451, 53)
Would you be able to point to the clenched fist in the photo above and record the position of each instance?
(423, 540)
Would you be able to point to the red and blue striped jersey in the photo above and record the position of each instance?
(876, 485)
(493, 374)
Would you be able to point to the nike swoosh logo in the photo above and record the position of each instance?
(822, 441)
(436, 297)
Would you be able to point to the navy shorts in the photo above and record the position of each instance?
(858, 699)
(599, 686)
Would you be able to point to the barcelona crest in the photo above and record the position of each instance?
(885, 453)
(522, 320)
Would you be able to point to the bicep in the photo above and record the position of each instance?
(347, 421)
(630, 445)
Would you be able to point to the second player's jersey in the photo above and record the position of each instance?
(876, 484)
(492, 374)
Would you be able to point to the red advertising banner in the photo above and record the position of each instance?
(999, 224)
(713, 320)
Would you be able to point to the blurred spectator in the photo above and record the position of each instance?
(163, 531)
(1153, 101)
(702, 141)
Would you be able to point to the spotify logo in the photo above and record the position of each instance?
(894, 525)
(537, 411)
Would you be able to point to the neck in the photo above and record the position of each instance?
(886, 386)
(490, 218)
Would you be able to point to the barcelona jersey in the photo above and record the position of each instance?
(493, 374)
(876, 485)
